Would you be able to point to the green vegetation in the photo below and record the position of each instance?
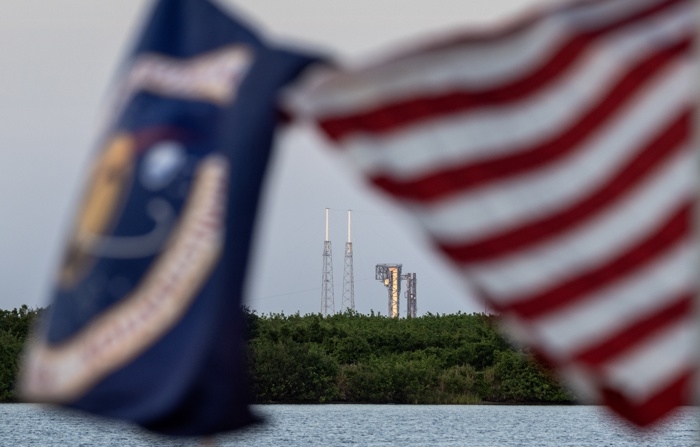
(434, 359)
(14, 327)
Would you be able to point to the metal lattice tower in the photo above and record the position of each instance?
(327, 298)
(348, 276)
(411, 299)
(390, 275)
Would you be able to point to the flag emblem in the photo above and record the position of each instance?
(145, 322)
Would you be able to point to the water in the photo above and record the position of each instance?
(367, 425)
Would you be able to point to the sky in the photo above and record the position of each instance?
(59, 59)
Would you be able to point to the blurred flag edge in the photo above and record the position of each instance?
(551, 161)
(145, 321)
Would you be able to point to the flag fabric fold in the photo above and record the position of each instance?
(551, 162)
(145, 323)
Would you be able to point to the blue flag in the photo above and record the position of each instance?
(145, 323)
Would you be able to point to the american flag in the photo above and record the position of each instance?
(551, 161)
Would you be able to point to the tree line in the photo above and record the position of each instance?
(355, 358)
(14, 327)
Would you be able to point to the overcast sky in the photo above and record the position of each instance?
(57, 62)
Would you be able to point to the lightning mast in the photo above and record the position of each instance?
(327, 298)
(348, 277)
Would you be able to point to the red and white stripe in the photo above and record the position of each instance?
(551, 162)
